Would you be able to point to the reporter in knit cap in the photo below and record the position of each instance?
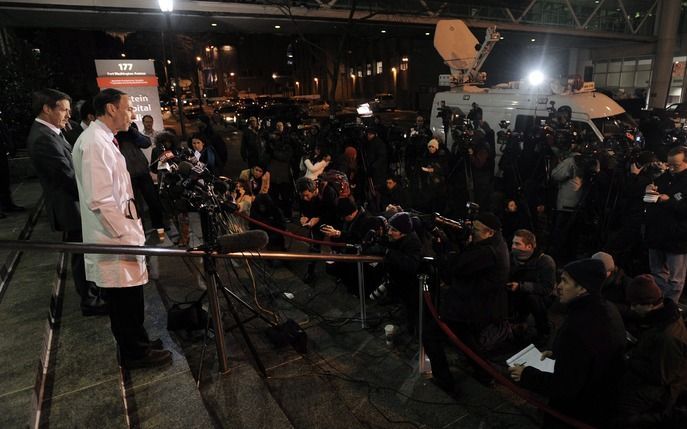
(401, 222)
(588, 349)
(485, 226)
(581, 277)
(643, 290)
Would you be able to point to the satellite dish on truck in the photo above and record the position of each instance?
(461, 50)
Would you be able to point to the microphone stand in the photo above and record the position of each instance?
(215, 285)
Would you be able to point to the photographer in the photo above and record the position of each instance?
(475, 299)
(318, 207)
(401, 262)
(357, 226)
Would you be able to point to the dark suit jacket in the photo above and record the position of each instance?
(74, 132)
(52, 160)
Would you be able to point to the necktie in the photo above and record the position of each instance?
(116, 143)
(66, 143)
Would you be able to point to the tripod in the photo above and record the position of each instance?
(209, 230)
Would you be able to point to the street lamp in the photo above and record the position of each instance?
(166, 7)
(298, 88)
(317, 85)
(394, 72)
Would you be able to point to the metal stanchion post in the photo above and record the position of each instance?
(422, 282)
(216, 314)
(361, 288)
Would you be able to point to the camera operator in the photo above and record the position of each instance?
(482, 164)
(475, 299)
(666, 225)
(530, 283)
(572, 174)
(280, 152)
(433, 170)
(446, 114)
(418, 137)
(475, 115)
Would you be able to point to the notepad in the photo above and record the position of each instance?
(650, 198)
(531, 356)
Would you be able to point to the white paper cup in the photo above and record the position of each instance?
(389, 332)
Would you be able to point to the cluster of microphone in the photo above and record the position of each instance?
(189, 183)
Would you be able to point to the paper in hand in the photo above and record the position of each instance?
(531, 356)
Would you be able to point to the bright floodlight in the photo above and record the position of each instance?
(166, 5)
(535, 78)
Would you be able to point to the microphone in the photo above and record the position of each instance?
(243, 241)
(185, 168)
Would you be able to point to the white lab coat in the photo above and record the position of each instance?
(106, 203)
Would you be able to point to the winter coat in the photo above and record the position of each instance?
(313, 170)
(588, 350)
(402, 261)
(570, 182)
(478, 275)
(658, 363)
(108, 212)
(354, 232)
(666, 223)
(251, 148)
(397, 196)
(376, 160)
(280, 153)
(613, 289)
(131, 143)
(536, 276)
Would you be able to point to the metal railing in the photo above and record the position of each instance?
(213, 295)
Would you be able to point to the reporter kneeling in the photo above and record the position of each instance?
(588, 349)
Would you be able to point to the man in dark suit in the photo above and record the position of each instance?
(52, 159)
(74, 130)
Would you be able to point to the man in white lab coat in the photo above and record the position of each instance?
(108, 216)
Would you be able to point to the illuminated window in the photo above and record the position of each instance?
(404, 66)
(380, 67)
(368, 70)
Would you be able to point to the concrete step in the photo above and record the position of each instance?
(240, 398)
(23, 315)
(83, 383)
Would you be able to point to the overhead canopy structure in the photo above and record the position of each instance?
(618, 19)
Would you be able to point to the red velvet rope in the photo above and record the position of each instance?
(525, 394)
(288, 233)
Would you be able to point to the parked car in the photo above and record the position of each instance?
(226, 115)
(677, 112)
(383, 102)
(192, 108)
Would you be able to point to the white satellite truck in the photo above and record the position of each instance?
(523, 103)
